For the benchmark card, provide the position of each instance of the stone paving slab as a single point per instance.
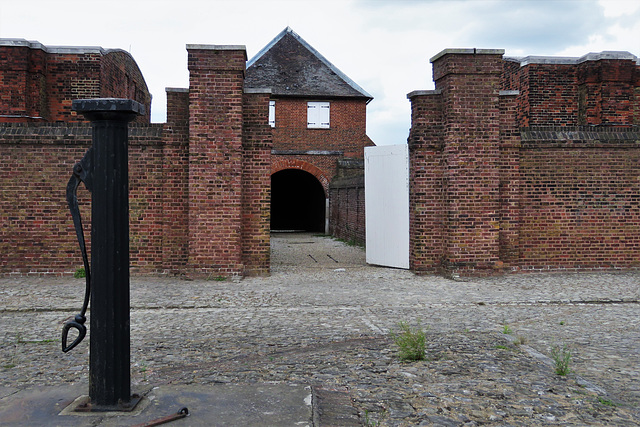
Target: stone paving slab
(324, 321)
(222, 405)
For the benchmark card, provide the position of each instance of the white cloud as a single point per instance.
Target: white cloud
(383, 45)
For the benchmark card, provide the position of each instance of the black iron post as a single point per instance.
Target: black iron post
(109, 357)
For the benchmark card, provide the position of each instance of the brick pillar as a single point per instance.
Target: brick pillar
(176, 182)
(256, 183)
(426, 202)
(470, 82)
(215, 158)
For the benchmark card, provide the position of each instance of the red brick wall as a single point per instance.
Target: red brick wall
(347, 210)
(580, 206)
(120, 77)
(509, 185)
(346, 137)
(146, 198)
(69, 77)
(22, 75)
(36, 230)
(489, 194)
(199, 185)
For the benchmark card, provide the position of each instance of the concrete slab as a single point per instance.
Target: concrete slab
(209, 405)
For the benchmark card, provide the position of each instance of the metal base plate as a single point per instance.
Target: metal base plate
(83, 405)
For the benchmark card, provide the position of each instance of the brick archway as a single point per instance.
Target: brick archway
(281, 164)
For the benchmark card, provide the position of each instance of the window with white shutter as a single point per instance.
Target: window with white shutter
(272, 114)
(318, 114)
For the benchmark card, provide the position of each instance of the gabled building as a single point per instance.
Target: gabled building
(240, 146)
(318, 117)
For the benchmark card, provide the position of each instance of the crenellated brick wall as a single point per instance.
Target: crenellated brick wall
(516, 164)
(504, 178)
(199, 185)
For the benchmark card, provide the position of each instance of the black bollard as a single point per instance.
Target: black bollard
(109, 356)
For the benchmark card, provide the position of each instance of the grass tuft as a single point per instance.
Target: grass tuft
(411, 342)
(562, 358)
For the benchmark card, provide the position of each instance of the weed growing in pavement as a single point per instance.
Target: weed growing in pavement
(21, 340)
(506, 329)
(606, 402)
(369, 422)
(80, 273)
(561, 358)
(350, 242)
(412, 342)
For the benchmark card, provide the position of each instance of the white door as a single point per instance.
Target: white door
(386, 186)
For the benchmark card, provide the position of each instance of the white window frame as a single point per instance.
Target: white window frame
(318, 115)
(272, 114)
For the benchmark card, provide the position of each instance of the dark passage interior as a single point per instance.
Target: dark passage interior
(297, 202)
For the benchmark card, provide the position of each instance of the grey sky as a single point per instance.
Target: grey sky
(383, 45)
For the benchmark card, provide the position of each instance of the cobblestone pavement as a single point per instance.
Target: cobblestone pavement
(323, 318)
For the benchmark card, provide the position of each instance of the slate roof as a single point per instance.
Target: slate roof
(289, 66)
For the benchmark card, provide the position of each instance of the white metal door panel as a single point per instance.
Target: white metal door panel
(386, 184)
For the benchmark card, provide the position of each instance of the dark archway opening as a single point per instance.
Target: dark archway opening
(297, 202)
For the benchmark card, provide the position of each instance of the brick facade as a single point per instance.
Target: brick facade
(525, 164)
(298, 75)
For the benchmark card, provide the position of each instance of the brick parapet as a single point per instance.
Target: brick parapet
(39, 82)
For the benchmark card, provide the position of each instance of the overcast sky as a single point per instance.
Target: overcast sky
(383, 45)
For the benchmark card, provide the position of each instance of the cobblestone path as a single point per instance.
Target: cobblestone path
(323, 318)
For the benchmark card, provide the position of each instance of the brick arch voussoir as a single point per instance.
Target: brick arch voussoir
(320, 175)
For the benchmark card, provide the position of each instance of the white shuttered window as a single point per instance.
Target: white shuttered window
(318, 114)
(272, 114)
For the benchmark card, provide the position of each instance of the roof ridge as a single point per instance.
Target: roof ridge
(325, 61)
